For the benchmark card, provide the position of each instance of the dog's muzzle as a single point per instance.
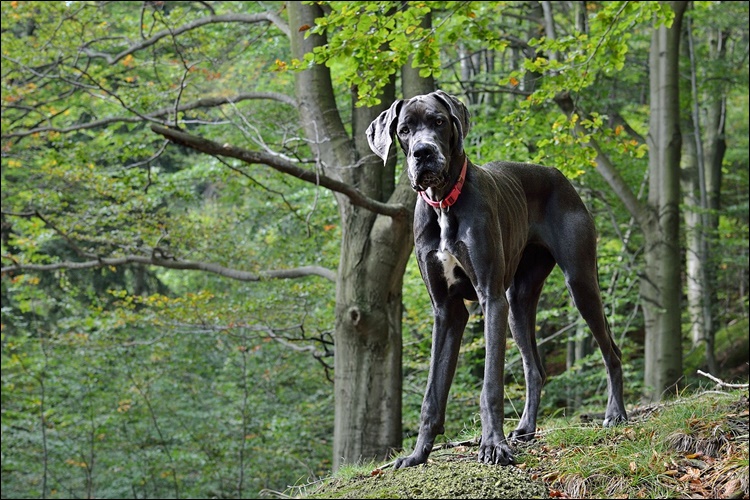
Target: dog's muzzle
(427, 167)
(429, 179)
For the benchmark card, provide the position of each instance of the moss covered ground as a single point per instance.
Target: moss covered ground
(695, 446)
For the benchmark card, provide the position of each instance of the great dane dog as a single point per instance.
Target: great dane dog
(491, 234)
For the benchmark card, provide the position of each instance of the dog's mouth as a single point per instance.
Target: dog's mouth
(429, 179)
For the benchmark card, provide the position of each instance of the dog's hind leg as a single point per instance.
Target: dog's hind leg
(523, 296)
(586, 296)
(578, 263)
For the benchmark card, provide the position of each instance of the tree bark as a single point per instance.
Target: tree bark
(714, 148)
(374, 252)
(702, 157)
(694, 239)
(660, 284)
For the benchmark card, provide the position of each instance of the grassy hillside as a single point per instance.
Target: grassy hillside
(693, 447)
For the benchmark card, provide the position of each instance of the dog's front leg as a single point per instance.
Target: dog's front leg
(450, 321)
(494, 448)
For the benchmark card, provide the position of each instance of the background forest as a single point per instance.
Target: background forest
(193, 224)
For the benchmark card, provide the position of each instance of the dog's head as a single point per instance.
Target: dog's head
(430, 129)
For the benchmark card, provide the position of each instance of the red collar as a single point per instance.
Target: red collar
(453, 195)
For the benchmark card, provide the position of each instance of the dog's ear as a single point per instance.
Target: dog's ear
(459, 115)
(381, 130)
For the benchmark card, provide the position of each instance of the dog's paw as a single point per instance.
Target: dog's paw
(497, 453)
(612, 421)
(521, 436)
(417, 457)
(410, 461)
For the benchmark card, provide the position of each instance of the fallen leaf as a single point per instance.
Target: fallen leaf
(692, 474)
(731, 487)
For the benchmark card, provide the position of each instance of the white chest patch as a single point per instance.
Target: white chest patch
(446, 258)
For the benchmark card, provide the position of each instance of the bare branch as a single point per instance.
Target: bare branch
(720, 382)
(284, 166)
(206, 102)
(224, 18)
(158, 257)
(155, 260)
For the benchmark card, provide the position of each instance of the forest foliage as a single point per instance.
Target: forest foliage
(147, 348)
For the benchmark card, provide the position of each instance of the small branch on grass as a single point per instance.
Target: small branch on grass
(456, 444)
(721, 383)
(443, 446)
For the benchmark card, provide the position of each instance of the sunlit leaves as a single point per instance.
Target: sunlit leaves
(369, 41)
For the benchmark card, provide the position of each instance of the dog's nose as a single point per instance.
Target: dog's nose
(423, 151)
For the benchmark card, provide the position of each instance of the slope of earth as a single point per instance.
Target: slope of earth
(692, 447)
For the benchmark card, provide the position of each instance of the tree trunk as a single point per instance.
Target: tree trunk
(694, 239)
(714, 147)
(660, 285)
(699, 165)
(374, 253)
(367, 381)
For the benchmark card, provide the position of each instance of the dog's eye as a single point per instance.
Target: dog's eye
(439, 122)
(404, 130)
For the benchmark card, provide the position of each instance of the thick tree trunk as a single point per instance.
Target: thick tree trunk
(367, 379)
(367, 365)
(374, 253)
(660, 285)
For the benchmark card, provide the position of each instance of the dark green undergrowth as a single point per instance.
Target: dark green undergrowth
(695, 446)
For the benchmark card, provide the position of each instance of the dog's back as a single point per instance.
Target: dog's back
(546, 189)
